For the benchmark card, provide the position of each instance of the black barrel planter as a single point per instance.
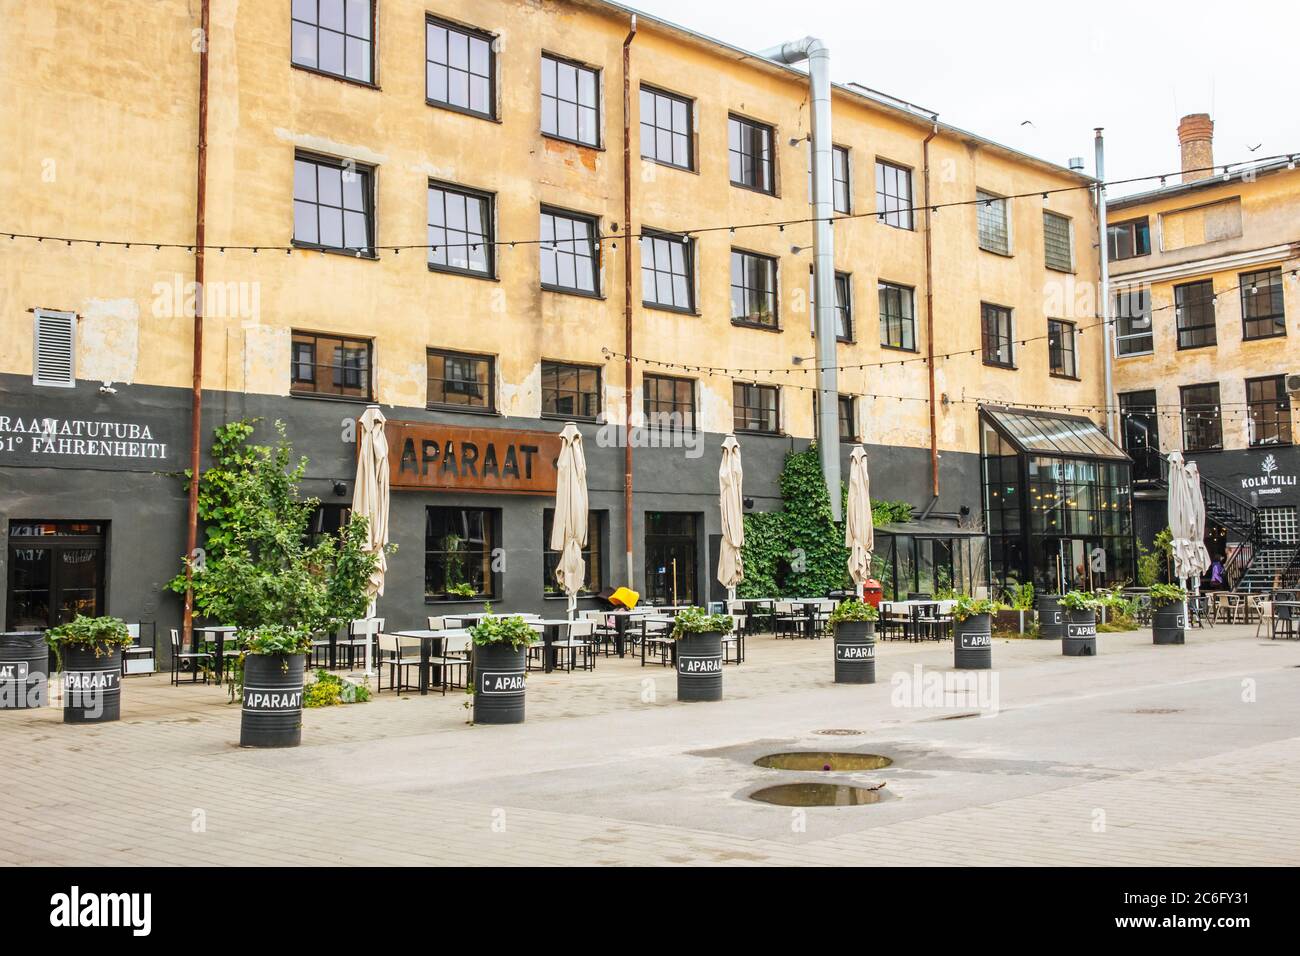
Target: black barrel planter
(972, 643)
(272, 700)
(1168, 624)
(855, 652)
(1051, 617)
(499, 683)
(92, 683)
(1080, 634)
(699, 666)
(24, 660)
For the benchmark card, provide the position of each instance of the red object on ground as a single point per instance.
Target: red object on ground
(872, 592)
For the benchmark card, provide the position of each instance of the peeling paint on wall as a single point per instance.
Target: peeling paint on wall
(108, 340)
(266, 360)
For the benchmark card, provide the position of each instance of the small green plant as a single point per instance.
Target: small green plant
(853, 610)
(100, 634)
(495, 629)
(330, 690)
(968, 607)
(1162, 595)
(696, 620)
(1079, 601)
(1148, 566)
(275, 639)
(1022, 597)
(462, 590)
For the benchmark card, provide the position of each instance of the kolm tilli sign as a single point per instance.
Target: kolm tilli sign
(426, 456)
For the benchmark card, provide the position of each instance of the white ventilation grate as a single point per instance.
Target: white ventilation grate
(55, 349)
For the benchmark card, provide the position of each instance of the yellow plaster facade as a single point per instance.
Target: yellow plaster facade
(100, 124)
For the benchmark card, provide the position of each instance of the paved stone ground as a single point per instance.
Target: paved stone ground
(1142, 755)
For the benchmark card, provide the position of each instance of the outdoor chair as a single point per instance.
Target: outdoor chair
(1264, 609)
(734, 642)
(1144, 608)
(360, 633)
(657, 638)
(320, 647)
(197, 660)
(788, 621)
(1284, 621)
(602, 630)
(398, 654)
(437, 623)
(454, 658)
(580, 637)
(140, 658)
(1252, 604)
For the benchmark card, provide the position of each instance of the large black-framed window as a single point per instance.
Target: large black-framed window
(843, 305)
(333, 205)
(842, 179)
(668, 403)
(330, 366)
(996, 328)
(1140, 425)
(334, 37)
(667, 128)
(1062, 359)
(459, 68)
(592, 554)
(570, 260)
(1058, 242)
(894, 195)
(1133, 322)
(570, 101)
(667, 271)
(1128, 240)
(753, 289)
(460, 554)
(460, 230)
(846, 411)
(897, 316)
(1269, 409)
(1194, 305)
(757, 408)
(749, 145)
(994, 227)
(460, 381)
(570, 391)
(1202, 417)
(1263, 315)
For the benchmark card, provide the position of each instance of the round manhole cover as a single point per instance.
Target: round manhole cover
(839, 732)
(823, 760)
(816, 795)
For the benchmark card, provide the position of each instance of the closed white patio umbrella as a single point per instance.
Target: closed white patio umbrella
(1182, 526)
(731, 481)
(859, 528)
(1200, 559)
(569, 532)
(370, 501)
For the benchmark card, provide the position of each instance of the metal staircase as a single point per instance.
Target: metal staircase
(1259, 562)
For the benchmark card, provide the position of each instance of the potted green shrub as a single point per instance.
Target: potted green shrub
(1080, 638)
(88, 651)
(264, 573)
(500, 649)
(1169, 614)
(1011, 615)
(854, 624)
(972, 633)
(699, 653)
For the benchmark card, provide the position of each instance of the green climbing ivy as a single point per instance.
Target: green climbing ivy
(799, 550)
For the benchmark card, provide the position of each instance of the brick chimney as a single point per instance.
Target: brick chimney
(1196, 137)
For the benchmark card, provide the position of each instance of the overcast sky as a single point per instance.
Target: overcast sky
(1131, 66)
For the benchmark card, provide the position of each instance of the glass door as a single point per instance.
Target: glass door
(671, 547)
(56, 571)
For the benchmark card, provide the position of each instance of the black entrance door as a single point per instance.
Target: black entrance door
(56, 571)
(671, 547)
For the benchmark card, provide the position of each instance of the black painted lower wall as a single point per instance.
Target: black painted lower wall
(136, 489)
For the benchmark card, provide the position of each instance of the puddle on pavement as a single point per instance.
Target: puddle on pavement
(816, 795)
(823, 760)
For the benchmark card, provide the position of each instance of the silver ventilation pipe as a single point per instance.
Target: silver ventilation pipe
(819, 79)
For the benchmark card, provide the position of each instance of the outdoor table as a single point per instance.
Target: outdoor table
(427, 639)
(811, 610)
(1293, 608)
(622, 618)
(474, 618)
(219, 632)
(657, 619)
